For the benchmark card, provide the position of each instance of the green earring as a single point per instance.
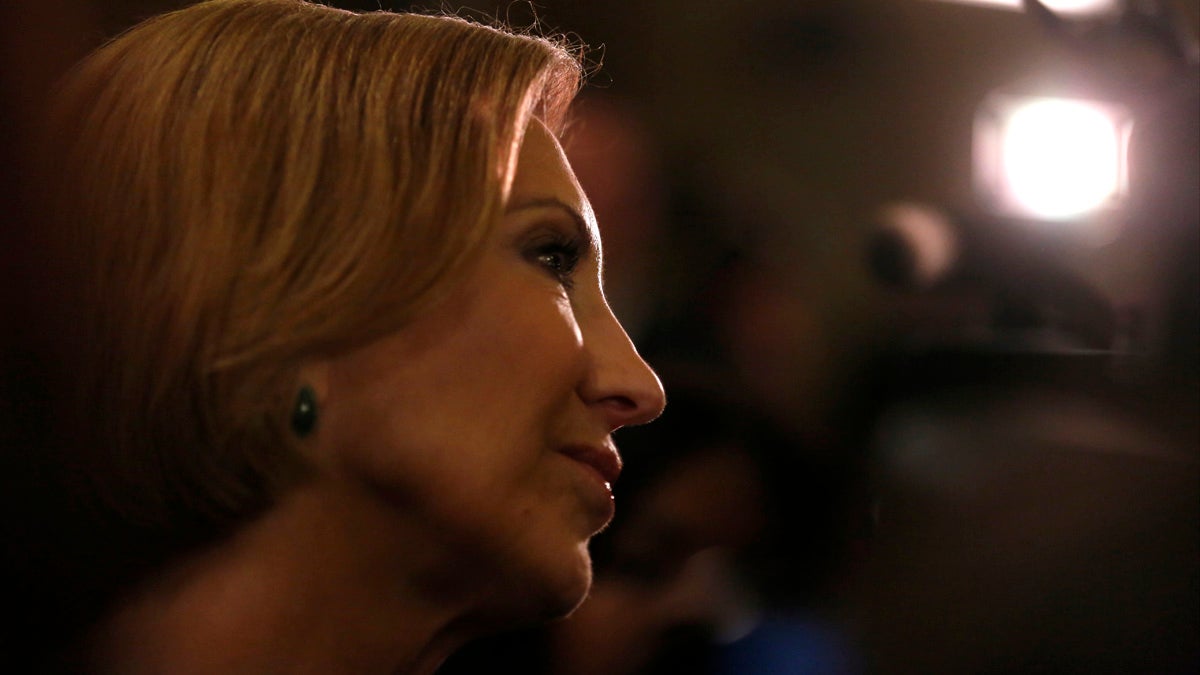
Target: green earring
(304, 415)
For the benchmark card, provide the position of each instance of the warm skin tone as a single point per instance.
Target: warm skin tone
(451, 495)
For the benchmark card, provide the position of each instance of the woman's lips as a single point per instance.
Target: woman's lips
(603, 459)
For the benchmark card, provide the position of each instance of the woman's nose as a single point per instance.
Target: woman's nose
(619, 382)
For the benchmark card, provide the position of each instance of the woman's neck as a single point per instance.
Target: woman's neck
(323, 582)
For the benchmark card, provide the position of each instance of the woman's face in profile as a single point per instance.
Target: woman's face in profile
(483, 427)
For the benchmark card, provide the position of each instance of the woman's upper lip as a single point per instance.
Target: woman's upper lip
(603, 458)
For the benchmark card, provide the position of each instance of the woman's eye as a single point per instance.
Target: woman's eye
(560, 259)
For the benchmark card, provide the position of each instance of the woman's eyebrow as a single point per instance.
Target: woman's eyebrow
(585, 232)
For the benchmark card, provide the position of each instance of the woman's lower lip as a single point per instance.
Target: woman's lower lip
(600, 491)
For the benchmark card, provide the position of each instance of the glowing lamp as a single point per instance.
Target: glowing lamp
(1051, 159)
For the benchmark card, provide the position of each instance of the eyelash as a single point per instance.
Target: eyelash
(559, 255)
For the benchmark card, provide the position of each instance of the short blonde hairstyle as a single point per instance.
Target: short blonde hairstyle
(251, 183)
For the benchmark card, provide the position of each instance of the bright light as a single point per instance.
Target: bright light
(1061, 158)
(1051, 159)
(1064, 7)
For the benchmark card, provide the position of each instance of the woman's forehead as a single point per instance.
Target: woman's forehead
(543, 172)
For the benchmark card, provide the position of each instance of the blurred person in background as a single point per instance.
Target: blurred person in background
(335, 379)
(616, 158)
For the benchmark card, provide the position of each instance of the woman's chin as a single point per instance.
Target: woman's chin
(552, 589)
(567, 587)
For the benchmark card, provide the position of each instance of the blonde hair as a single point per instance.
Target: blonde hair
(251, 183)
